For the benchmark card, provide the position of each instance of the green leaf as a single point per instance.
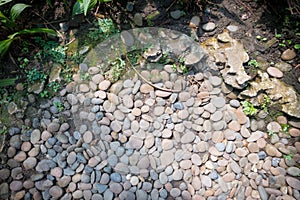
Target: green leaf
(16, 10)
(77, 8)
(4, 46)
(297, 46)
(86, 5)
(2, 2)
(38, 30)
(7, 82)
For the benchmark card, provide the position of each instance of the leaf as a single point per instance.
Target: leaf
(37, 30)
(2, 2)
(4, 46)
(297, 46)
(16, 10)
(77, 9)
(86, 5)
(105, 1)
(7, 82)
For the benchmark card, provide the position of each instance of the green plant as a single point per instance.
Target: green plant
(3, 130)
(297, 46)
(285, 128)
(289, 156)
(253, 63)
(82, 6)
(44, 94)
(54, 86)
(51, 50)
(117, 69)
(11, 25)
(106, 28)
(59, 105)
(271, 133)
(266, 103)
(34, 75)
(248, 108)
(7, 82)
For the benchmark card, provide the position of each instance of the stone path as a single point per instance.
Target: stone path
(128, 140)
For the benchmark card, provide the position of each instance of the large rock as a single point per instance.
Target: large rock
(230, 52)
(277, 90)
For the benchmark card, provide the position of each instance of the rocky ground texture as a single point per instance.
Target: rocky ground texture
(133, 140)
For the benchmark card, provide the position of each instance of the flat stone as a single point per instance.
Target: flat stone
(30, 163)
(166, 158)
(232, 28)
(188, 137)
(293, 171)
(255, 136)
(288, 54)
(253, 158)
(293, 182)
(146, 88)
(194, 22)
(135, 142)
(138, 19)
(274, 72)
(56, 192)
(271, 150)
(283, 66)
(175, 14)
(218, 102)
(210, 26)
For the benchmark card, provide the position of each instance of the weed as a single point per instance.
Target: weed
(248, 108)
(34, 75)
(59, 105)
(105, 28)
(285, 128)
(3, 130)
(117, 69)
(253, 63)
(51, 50)
(23, 62)
(289, 156)
(271, 133)
(181, 66)
(85, 76)
(297, 46)
(266, 103)
(54, 86)
(44, 94)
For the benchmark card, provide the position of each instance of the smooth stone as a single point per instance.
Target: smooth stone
(175, 14)
(210, 26)
(293, 171)
(288, 54)
(283, 66)
(166, 158)
(194, 22)
(138, 19)
(293, 182)
(232, 28)
(274, 72)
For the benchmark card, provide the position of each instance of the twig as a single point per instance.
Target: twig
(12, 59)
(73, 39)
(148, 82)
(245, 5)
(170, 6)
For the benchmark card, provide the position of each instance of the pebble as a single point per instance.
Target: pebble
(274, 72)
(128, 140)
(194, 22)
(232, 28)
(210, 26)
(288, 54)
(175, 14)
